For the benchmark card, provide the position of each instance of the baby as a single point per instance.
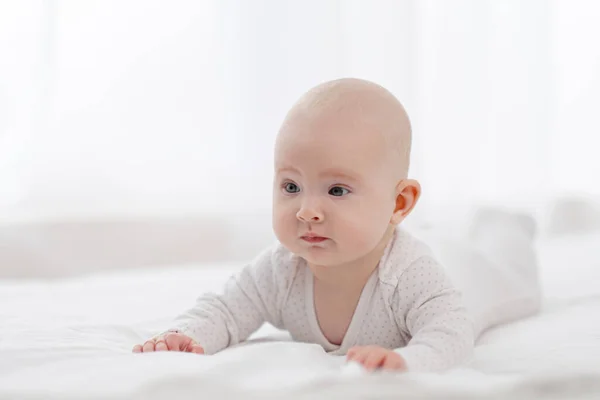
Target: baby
(343, 274)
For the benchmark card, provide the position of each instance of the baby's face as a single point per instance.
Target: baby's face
(333, 192)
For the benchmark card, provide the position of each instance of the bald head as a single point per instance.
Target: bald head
(361, 104)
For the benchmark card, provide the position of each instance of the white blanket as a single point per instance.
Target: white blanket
(72, 339)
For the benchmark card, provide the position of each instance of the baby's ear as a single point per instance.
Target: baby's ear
(408, 192)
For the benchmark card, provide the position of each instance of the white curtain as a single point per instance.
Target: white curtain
(121, 107)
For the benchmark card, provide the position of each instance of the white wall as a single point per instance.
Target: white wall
(152, 108)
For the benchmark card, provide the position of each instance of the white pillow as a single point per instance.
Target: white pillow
(572, 215)
(490, 256)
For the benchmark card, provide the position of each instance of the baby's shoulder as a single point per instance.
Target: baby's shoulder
(403, 255)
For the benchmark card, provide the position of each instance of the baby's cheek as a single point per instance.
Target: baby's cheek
(283, 224)
(360, 236)
(364, 233)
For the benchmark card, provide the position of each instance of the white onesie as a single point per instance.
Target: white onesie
(408, 304)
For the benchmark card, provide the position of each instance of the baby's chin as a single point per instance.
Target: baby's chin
(324, 256)
(314, 254)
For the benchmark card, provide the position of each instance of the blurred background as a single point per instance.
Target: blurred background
(141, 132)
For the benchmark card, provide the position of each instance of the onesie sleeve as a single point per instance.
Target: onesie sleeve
(250, 298)
(431, 311)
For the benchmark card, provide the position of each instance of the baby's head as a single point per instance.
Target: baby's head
(341, 163)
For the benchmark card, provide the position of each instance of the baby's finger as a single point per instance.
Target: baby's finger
(393, 362)
(197, 349)
(351, 353)
(359, 355)
(161, 346)
(188, 344)
(373, 359)
(148, 346)
(175, 342)
(137, 348)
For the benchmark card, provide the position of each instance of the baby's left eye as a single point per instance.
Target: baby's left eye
(338, 191)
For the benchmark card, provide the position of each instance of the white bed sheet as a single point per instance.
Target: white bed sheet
(72, 339)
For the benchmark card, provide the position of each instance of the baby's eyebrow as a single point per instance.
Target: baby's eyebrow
(328, 173)
(341, 174)
(287, 169)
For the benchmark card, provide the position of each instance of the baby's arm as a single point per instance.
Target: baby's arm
(248, 299)
(432, 311)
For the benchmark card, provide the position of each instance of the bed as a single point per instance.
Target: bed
(71, 338)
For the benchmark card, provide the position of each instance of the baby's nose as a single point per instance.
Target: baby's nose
(310, 213)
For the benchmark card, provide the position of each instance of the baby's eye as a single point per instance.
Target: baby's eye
(291, 187)
(338, 191)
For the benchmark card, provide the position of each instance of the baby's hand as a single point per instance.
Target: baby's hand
(171, 341)
(372, 357)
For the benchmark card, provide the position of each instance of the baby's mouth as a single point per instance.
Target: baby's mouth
(311, 238)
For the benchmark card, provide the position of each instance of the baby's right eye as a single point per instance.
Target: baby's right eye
(290, 187)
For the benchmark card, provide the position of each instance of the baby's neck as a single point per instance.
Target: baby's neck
(354, 274)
